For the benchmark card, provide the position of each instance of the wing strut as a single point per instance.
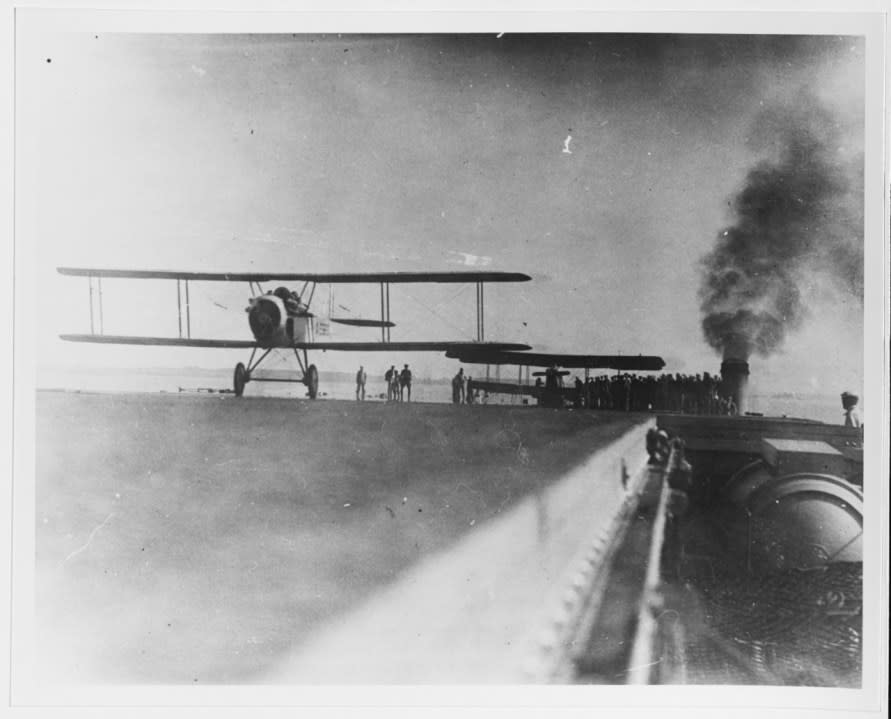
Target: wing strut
(312, 293)
(101, 319)
(480, 313)
(385, 311)
(90, 282)
(98, 302)
(179, 306)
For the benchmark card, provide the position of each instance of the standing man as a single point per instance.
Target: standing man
(360, 384)
(405, 382)
(458, 387)
(388, 377)
(551, 377)
(849, 404)
(394, 386)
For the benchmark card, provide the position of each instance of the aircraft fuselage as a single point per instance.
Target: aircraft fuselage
(279, 319)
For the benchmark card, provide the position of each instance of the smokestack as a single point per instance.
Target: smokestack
(735, 377)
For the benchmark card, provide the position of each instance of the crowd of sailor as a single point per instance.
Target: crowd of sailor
(692, 394)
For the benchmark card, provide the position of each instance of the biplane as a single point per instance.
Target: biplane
(282, 318)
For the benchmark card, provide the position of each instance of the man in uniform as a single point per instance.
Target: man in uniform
(849, 404)
(458, 387)
(394, 386)
(551, 377)
(388, 377)
(360, 383)
(405, 382)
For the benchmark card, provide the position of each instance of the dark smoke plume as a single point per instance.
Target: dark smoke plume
(799, 215)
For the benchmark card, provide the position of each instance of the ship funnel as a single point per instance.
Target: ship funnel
(735, 377)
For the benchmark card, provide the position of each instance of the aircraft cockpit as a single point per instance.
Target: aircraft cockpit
(290, 298)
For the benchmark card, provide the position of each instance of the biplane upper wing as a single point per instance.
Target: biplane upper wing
(484, 355)
(445, 346)
(331, 278)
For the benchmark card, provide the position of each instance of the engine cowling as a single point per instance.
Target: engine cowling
(265, 316)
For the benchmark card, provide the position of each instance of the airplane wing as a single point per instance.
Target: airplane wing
(167, 341)
(478, 355)
(362, 323)
(333, 346)
(406, 346)
(341, 277)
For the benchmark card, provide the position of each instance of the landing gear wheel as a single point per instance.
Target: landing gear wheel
(240, 379)
(311, 380)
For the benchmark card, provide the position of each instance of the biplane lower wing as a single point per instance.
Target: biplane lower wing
(405, 346)
(483, 355)
(165, 341)
(333, 346)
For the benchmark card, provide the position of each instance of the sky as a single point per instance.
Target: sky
(604, 166)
